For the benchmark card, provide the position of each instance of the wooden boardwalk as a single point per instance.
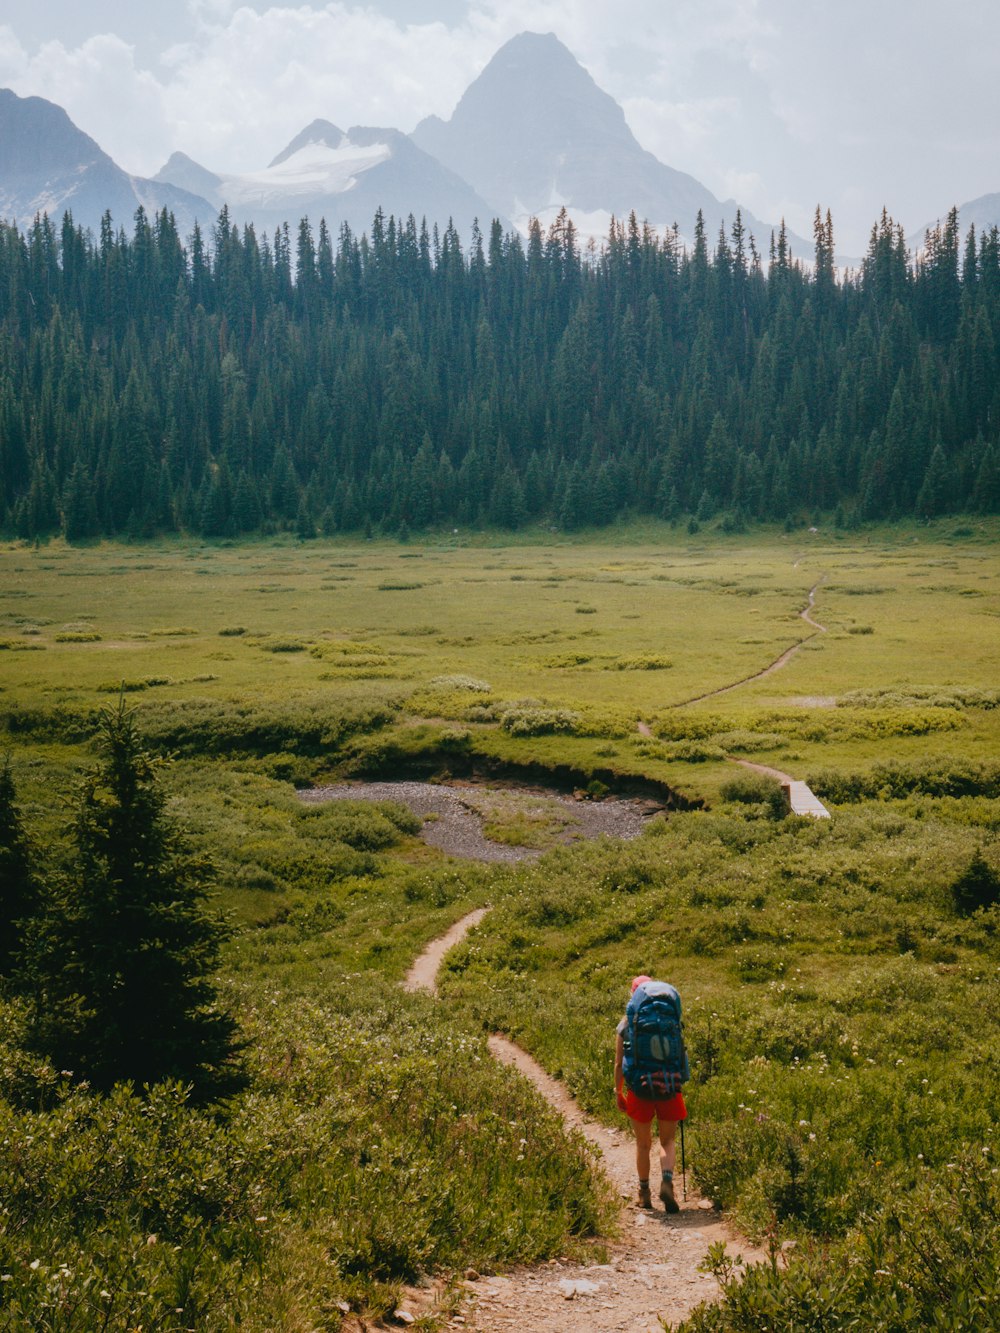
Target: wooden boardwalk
(803, 801)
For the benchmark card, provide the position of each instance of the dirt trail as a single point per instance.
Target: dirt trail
(652, 1269)
(779, 662)
(424, 972)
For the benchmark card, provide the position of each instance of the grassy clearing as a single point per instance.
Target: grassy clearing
(825, 969)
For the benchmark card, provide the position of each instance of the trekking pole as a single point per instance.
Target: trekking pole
(684, 1184)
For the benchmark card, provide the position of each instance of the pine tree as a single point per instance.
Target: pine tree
(20, 891)
(934, 492)
(123, 990)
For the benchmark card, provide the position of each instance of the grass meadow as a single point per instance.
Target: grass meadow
(842, 1005)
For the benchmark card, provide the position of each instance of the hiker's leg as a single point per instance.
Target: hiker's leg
(643, 1143)
(668, 1144)
(668, 1152)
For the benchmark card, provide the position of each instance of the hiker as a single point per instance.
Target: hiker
(650, 1066)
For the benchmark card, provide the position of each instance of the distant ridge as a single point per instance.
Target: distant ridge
(48, 165)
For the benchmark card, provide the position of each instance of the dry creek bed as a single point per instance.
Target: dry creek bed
(453, 814)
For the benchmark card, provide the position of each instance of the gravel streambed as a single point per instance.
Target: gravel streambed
(453, 823)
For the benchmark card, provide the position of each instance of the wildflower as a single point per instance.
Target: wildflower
(812, 1138)
(803, 1122)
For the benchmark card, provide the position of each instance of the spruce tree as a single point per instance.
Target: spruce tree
(123, 988)
(19, 886)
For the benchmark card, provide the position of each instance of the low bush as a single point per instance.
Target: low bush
(942, 776)
(911, 696)
(744, 741)
(468, 683)
(303, 726)
(297, 1198)
(977, 887)
(363, 825)
(533, 719)
(756, 789)
(694, 752)
(916, 1263)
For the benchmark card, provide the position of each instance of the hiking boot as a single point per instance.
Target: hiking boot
(645, 1198)
(667, 1196)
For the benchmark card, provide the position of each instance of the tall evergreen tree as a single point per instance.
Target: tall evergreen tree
(123, 983)
(20, 889)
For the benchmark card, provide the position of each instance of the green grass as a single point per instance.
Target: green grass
(825, 971)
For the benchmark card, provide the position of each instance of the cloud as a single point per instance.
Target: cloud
(13, 56)
(794, 103)
(103, 90)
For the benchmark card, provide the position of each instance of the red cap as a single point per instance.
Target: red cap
(639, 981)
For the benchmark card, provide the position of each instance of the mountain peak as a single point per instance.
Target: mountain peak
(38, 136)
(318, 132)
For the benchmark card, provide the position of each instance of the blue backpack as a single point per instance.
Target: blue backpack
(655, 1062)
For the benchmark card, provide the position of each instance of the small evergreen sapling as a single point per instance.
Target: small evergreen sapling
(123, 989)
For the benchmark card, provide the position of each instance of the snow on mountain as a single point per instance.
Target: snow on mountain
(341, 177)
(313, 170)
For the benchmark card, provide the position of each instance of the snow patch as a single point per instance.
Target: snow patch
(315, 169)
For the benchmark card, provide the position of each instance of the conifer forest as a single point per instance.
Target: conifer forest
(230, 383)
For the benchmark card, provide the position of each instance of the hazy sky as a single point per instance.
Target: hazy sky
(781, 103)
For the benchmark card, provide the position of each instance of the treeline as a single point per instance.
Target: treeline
(394, 381)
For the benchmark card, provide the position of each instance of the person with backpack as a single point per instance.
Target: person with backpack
(651, 1064)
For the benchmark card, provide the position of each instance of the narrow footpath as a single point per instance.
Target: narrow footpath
(652, 1269)
(801, 799)
(779, 662)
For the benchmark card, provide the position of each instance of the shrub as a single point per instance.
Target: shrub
(694, 752)
(278, 645)
(363, 825)
(978, 886)
(917, 1263)
(469, 683)
(532, 719)
(641, 662)
(756, 789)
(310, 726)
(743, 741)
(895, 779)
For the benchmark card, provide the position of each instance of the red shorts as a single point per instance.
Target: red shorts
(642, 1109)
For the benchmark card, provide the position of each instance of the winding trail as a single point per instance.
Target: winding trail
(801, 799)
(651, 1271)
(779, 662)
